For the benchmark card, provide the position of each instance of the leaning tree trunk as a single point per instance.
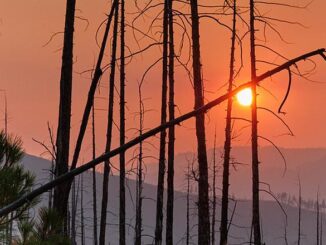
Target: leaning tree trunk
(61, 192)
(254, 133)
(161, 171)
(227, 143)
(170, 177)
(122, 210)
(109, 130)
(203, 203)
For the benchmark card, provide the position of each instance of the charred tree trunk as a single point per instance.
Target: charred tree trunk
(139, 189)
(122, 212)
(171, 132)
(73, 213)
(82, 223)
(254, 133)
(107, 167)
(61, 192)
(161, 171)
(227, 143)
(188, 208)
(203, 203)
(92, 89)
(317, 225)
(94, 179)
(214, 191)
(299, 215)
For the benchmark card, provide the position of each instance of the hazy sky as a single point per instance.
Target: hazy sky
(30, 73)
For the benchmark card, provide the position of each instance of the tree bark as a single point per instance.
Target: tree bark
(203, 204)
(139, 198)
(107, 167)
(171, 132)
(161, 171)
(254, 133)
(61, 192)
(94, 179)
(227, 143)
(122, 213)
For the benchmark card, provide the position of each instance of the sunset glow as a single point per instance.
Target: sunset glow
(244, 97)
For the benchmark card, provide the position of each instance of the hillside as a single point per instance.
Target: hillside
(272, 217)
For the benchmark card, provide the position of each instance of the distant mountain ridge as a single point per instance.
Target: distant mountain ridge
(309, 162)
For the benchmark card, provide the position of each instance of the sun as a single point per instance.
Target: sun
(244, 97)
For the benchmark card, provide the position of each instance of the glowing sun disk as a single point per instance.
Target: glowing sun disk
(244, 97)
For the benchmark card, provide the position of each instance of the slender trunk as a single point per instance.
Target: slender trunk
(82, 223)
(94, 179)
(109, 130)
(227, 143)
(73, 213)
(122, 213)
(321, 229)
(61, 195)
(254, 133)
(161, 171)
(317, 230)
(299, 218)
(61, 192)
(171, 132)
(92, 89)
(214, 191)
(188, 209)
(139, 174)
(203, 203)
(50, 201)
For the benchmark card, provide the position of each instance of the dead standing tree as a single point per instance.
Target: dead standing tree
(171, 133)
(203, 200)
(161, 172)
(227, 143)
(122, 157)
(107, 167)
(254, 133)
(61, 192)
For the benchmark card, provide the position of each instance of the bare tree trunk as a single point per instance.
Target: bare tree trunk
(170, 177)
(227, 143)
(188, 208)
(254, 136)
(139, 190)
(92, 89)
(161, 171)
(122, 213)
(73, 213)
(109, 130)
(321, 229)
(50, 201)
(82, 223)
(94, 179)
(61, 192)
(299, 218)
(317, 226)
(214, 191)
(203, 203)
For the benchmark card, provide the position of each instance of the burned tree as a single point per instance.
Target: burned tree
(203, 203)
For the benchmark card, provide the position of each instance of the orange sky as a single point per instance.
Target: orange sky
(30, 75)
